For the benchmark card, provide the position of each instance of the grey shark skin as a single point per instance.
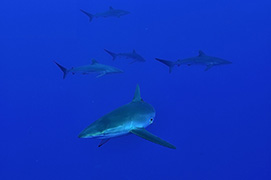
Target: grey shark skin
(94, 67)
(111, 12)
(201, 59)
(133, 118)
(132, 55)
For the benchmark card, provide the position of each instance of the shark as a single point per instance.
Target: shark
(111, 12)
(131, 55)
(95, 67)
(131, 118)
(201, 59)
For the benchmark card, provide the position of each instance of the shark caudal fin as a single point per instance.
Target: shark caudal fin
(88, 14)
(170, 64)
(143, 133)
(63, 69)
(114, 55)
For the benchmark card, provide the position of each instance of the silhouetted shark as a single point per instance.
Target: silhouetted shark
(132, 55)
(133, 117)
(109, 13)
(93, 67)
(201, 59)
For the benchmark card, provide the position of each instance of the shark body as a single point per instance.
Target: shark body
(111, 12)
(131, 55)
(133, 118)
(201, 59)
(94, 67)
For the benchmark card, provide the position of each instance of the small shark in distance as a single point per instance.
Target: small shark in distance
(96, 67)
(109, 13)
(133, 118)
(201, 59)
(132, 55)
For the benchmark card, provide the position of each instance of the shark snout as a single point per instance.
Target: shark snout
(126, 12)
(228, 62)
(82, 135)
(118, 71)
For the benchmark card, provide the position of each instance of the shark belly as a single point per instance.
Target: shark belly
(113, 132)
(88, 69)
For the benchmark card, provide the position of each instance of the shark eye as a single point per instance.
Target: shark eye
(151, 120)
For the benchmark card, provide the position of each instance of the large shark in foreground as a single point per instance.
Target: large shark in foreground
(111, 12)
(131, 55)
(201, 59)
(95, 67)
(133, 118)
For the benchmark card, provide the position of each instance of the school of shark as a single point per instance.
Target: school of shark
(134, 117)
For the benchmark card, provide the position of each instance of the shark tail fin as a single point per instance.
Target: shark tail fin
(170, 64)
(63, 69)
(114, 55)
(88, 14)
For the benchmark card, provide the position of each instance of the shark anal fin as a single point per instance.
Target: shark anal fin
(103, 141)
(141, 132)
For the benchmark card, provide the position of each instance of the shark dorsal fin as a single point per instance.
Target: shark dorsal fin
(111, 8)
(137, 96)
(201, 53)
(134, 51)
(93, 61)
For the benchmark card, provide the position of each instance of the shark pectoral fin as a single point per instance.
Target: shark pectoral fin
(141, 132)
(208, 67)
(132, 62)
(100, 75)
(103, 141)
(170, 69)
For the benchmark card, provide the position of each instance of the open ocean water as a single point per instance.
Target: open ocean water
(219, 119)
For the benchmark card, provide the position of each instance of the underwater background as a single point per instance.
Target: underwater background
(219, 120)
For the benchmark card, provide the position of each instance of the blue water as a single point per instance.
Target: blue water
(219, 120)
